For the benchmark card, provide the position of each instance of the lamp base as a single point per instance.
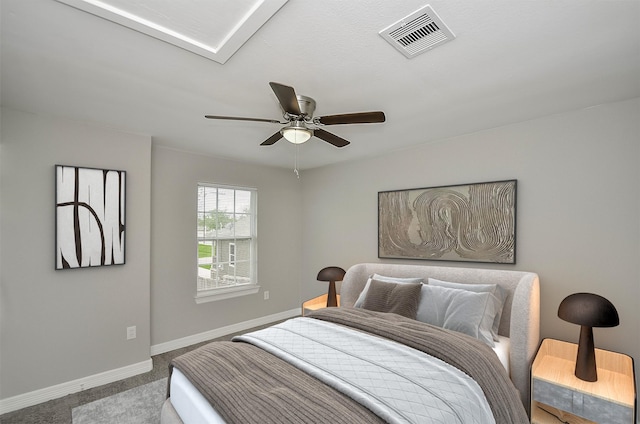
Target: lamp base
(332, 298)
(586, 359)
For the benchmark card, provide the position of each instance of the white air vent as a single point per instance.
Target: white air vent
(418, 32)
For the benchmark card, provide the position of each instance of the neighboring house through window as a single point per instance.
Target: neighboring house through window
(227, 242)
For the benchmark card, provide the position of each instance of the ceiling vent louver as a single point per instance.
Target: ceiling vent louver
(418, 32)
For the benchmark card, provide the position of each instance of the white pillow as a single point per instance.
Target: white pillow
(459, 310)
(382, 278)
(499, 293)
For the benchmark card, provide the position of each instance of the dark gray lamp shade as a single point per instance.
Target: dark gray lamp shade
(588, 310)
(331, 274)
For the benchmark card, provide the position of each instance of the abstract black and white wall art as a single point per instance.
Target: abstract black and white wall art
(90, 217)
(468, 223)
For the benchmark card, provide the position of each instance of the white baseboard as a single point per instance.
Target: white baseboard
(48, 393)
(223, 331)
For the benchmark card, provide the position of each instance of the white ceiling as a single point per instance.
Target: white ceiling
(511, 60)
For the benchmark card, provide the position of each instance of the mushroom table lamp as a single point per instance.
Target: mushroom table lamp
(587, 310)
(331, 274)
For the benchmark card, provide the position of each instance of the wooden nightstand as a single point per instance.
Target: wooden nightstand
(555, 390)
(316, 303)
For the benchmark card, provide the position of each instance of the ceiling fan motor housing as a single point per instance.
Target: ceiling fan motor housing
(307, 106)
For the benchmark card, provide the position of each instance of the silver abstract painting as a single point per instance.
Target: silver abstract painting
(90, 217)
(469, 223)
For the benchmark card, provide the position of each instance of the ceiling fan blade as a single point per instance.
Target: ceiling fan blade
(271, 140)
(330, 138)
(287, 97)
(239, 118)
(352, 118)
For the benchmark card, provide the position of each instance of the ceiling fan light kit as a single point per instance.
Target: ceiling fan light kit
(300, 123)
(296, 133)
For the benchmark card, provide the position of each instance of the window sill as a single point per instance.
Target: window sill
(213, 295)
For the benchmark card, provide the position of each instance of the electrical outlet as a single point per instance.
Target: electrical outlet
(131, 332)
(266, 295)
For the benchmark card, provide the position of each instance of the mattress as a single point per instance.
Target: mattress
(502, 348)
(194, 408)
(189, 403)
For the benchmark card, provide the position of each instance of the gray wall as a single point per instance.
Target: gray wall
(578, 228)
(58, 326)
(175, 176)
(578, 207)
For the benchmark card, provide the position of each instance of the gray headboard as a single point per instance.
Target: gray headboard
(520, 318)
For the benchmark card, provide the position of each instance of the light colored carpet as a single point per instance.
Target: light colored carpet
(140, 405)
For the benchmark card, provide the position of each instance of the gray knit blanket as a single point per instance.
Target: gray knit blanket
(246, 384)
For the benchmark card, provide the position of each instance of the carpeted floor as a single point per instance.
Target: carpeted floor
(58, 411)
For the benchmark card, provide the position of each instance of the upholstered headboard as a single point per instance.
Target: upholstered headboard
(521, 314)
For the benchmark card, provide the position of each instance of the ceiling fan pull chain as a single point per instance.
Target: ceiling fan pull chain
(295, 163)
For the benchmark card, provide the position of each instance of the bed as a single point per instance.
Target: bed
(380, 357)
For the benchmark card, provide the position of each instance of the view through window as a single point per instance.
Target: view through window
(226, 237)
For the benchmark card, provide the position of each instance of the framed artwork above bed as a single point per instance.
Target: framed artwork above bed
(465, 223)
(90, 217)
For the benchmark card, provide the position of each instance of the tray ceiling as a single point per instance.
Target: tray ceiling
(213, 29)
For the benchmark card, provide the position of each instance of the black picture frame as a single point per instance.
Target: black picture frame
(462, 223)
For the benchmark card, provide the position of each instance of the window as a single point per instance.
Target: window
(227, 242)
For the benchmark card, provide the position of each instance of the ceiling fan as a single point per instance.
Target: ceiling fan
(300, 124)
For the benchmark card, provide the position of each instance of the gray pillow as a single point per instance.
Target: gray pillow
(363, 293)
(459, 310)
(401, 299)
(495, 289)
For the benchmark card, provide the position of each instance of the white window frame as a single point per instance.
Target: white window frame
(227, 292)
